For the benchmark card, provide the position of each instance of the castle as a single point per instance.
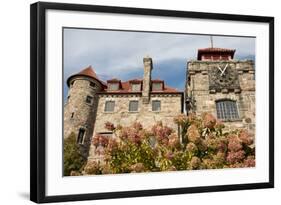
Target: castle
(91, 103)
(215, 83)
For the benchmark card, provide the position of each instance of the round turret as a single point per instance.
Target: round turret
(81, 106)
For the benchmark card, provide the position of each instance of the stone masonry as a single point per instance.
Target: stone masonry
(202, 97)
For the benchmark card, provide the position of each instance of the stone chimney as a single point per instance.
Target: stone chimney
(148, 66)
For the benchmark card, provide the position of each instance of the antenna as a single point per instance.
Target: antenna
(211, 38)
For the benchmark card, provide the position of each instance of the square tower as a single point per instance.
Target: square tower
(218, 84)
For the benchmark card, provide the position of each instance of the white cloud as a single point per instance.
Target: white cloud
(111, 52)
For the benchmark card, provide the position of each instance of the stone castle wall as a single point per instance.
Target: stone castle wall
(78, 113)
(171, 106)
(198, 89)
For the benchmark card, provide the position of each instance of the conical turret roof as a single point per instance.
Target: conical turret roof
(88, 72)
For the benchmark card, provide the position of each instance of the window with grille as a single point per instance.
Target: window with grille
(156, 105)
(136, 87)
(134, 106)
(89, 99)
(156, 86)
(109, 106)
(113, 86)
(80, 137)
(227, 110)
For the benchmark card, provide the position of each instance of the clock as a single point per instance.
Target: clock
(223, 76)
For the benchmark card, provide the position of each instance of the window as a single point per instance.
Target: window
(156, 86)
(89, 99)
(136, 87)
(92, 84)
(109, 106)
(72, 114)
(227, 110)
(72, 83)
(134, 106)
(106, 134)
(156, 105)
(80, 137)
(113, 86)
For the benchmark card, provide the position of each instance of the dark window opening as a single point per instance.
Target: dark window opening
(72, 83)
(89, 99)
(72, 115)
(92, 84)
(80, 137)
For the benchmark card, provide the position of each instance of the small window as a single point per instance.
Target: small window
(93, 85)
(134, 106)
(109, 106)
(89, 99)
(106, 134)
(72, 114)
(156, 105)
(113, 86)
(136, 87)
(80, 137)
(227, 110)
(156, 86)
(72, 83)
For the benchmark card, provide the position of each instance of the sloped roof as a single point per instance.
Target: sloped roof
(88, 72)
(126, 87)
(216, 51)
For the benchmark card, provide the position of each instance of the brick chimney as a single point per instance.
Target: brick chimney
(148, 66)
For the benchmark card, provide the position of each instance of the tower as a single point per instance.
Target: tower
(81, 106)
(219, 84)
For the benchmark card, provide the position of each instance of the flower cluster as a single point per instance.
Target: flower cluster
(100, 140)
(209, 121)
(161, 133)
(109, 126)
(202, 144)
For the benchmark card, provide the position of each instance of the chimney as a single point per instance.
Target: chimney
(148, 66)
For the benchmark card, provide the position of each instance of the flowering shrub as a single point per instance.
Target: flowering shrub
(202, 144)
(73, 161)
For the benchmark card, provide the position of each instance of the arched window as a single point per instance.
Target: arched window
(227, 110)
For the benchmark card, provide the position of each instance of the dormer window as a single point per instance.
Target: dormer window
(157, 86)
(113, 86)
(136, 87)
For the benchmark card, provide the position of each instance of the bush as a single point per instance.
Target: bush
(73, 161)
(205, 145)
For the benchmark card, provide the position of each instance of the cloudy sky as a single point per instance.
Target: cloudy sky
(119, 54)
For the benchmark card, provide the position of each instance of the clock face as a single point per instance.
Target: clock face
(223, 76)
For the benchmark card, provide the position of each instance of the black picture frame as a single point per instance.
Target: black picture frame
(38, 100)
